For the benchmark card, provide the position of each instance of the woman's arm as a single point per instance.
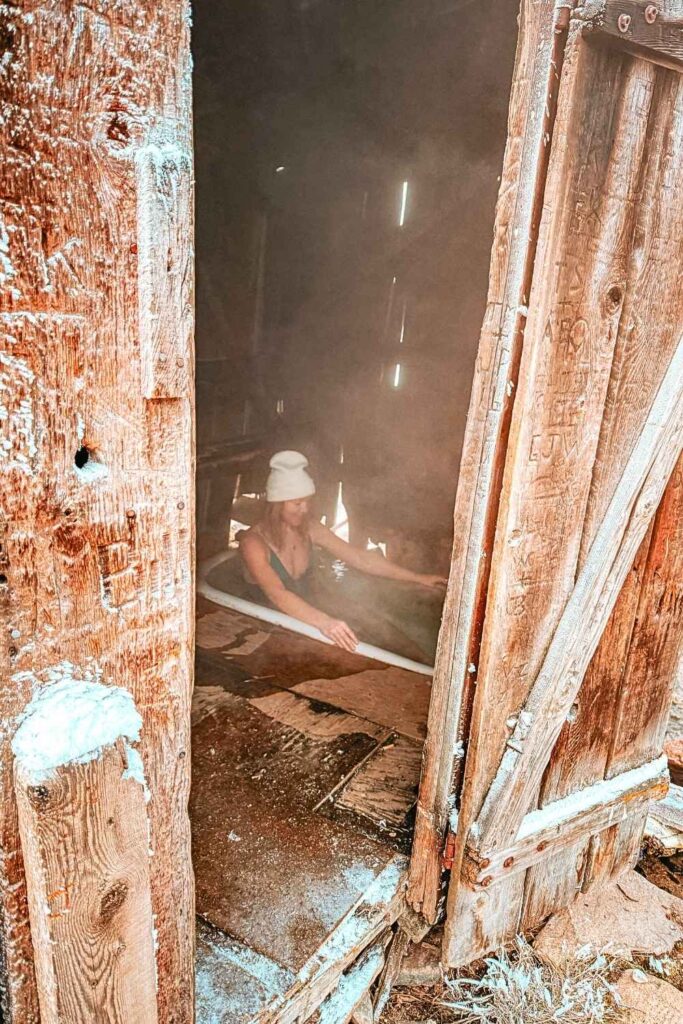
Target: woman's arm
(256, 557)
(372, 562)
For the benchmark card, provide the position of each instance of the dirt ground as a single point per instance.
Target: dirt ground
(425, 1004)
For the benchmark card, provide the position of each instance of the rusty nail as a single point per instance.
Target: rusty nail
(130, 512)
(484, 863)
(541, 847)
(651, 13)
(179, 361)
(623, 22)
(487, 881)
(181, 504)
(508, 862)
(134, 248)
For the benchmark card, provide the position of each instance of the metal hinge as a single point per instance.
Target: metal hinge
(448, 854)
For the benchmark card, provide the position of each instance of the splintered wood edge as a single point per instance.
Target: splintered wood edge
(377, 909)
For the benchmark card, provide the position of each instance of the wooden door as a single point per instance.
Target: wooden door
(96, 428)
(563, 619)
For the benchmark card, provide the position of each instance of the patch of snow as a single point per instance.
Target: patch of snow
(19, 446)
(91, 471)
(70, 720)
(352, 987)
(601, 793)
(232, 982)
(7, 270)
(135, 770)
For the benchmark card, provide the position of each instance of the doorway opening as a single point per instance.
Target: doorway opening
(348, 157)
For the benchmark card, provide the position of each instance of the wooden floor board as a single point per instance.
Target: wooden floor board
(283, 728)
(384, 787)
(390, 696)
(233, 983)
(268, 871)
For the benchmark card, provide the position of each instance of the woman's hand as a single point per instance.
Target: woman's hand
(339, 633)
(427, 580)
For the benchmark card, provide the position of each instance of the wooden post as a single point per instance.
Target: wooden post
(96, 447)
(85, 842)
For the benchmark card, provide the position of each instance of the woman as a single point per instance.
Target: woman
(278, 552)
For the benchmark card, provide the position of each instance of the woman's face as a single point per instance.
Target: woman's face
(295, 513)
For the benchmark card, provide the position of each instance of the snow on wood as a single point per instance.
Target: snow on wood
(97, 551)
(85, 845)
(70, 720)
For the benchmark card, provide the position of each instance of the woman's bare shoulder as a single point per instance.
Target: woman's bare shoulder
(252, 540)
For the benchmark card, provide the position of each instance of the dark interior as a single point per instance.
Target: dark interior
(347, 160)
(324, 324)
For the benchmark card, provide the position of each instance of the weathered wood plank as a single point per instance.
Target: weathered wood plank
(649, 328)
(657, 642)
(579, 629)
(353, 986)
(98, 556)
(391, 971)
(363, 1013)
(574, 311)
(530, 129)
(85, 841)
(380, 906)
(256, 784)
(560, 824)
(384, 788)
(650, 31)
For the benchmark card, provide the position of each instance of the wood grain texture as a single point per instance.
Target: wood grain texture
(384, 788)
(530, 127)
(650, 326)
(392, 968)
(587, 611)
(604, 227)
(657, 641)
(564, 375)
(85, 841)
(98, 561)
(560, 824)
(659, 40)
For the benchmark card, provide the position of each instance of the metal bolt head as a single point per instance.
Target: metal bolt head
(623, 22)
(651, 13)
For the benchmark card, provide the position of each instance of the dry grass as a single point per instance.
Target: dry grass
(516, 987)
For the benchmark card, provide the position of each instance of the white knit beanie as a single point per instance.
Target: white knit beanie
(288, 479)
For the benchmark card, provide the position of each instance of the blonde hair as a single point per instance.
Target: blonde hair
(272, 526)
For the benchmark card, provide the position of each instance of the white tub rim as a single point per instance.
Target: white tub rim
(277, 618)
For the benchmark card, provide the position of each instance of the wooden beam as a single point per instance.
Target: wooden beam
(98, 558)
(339, 1007)
(85, 842)
(363, 1014)
(560, 824)
(538, 64)
(649, 29)
(380, 906)
(392, 967)
(581, 625)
